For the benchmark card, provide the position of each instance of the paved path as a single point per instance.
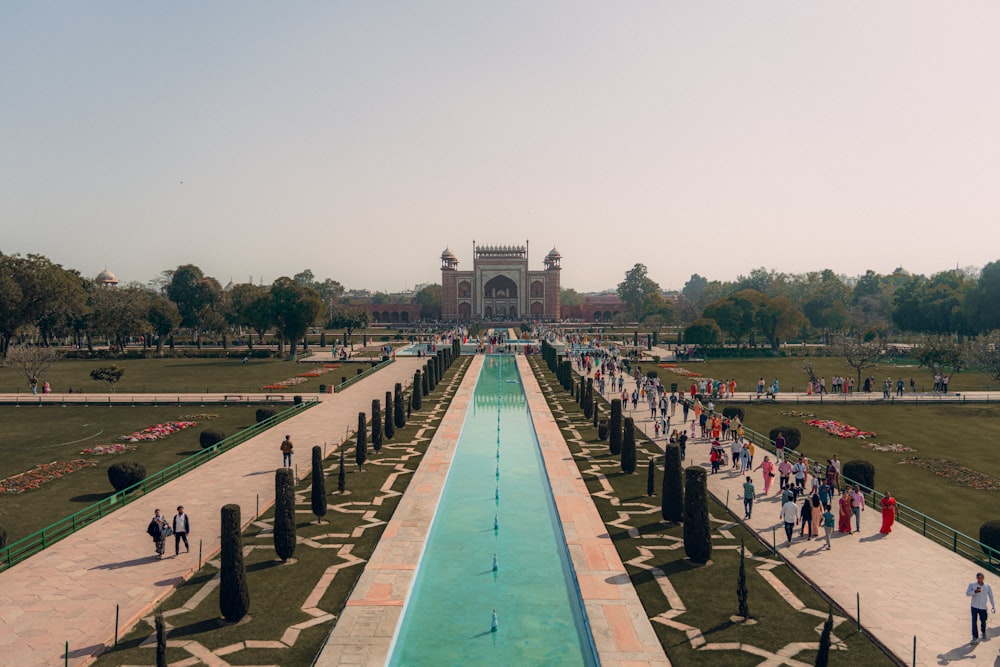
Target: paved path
(69, 591)
(908, 585)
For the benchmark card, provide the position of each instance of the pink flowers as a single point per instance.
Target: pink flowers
(834, 427)
(102, 450)
(156, 432)
(302, 377)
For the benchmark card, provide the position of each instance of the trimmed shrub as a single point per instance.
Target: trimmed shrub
(742, 604)
(296, 400)
(615, 426)
(602, 430)
(416, 394)
(318, 483)
(697, 531)
(989, 535)
(234, 596)
(263, 414)
(376, 425)
(672, 491)
(861, 471)
(588, 400)
(732, 411)
(792, 436)
(398, 409)
(651, 477)
(126, 473)
(389, 427)
(628, 447)
(361, 444)
(341, 475)
(209, 437)
(424, 383)
(596, 411)
(652, 374)
(284, 513)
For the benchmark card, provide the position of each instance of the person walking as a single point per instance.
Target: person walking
(844, 517)
(158, 530)
(182, 526)
(768, 470)
(748, 495)
(888, 513)
(806, 516)
(779, 446)
(789, 515)
(827, 520)
(784, 472)
(857, 506)
(980, 592)
(286, 451)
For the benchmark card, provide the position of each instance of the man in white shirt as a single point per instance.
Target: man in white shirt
(979, 592)
(790, 516)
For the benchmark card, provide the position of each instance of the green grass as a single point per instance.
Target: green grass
(961, 433)
(791, 378)
(37, 435)
(708, 593)
(184, 375)
(278, 591)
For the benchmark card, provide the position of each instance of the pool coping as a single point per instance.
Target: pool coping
(622, 633)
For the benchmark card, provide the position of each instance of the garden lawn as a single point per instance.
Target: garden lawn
(353, 525)
(791, 378)
(708, 594)
(964, 434)
(39, 435)
(183, 375)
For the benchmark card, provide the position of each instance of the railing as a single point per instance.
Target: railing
(46, 537)
(360, 376)
(927, 526)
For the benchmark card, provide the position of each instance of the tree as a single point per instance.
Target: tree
(376, 425)
(348, 318)
(295, 309)
(118, 314)
(30, 361)
(163, 317)
(569, 297)
(672, 493)
(615, 426)
(651, 476)
(253, 306)
(110, 374)
(941, 355)
(984, 353)
(234, 596)
(703, 332)
(399, 415)
(36, 292)
(318, 484)
(361, 443)
(628, 447)
(429, 299)
(284, 513)
(416, 393)
(341, 475)
(194, 293)
(778, 320)
(697, 531)
(390, 425)
(858, 354)
(743, 608)
(637, 290)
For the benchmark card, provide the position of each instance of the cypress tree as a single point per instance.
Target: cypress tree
(234, 596)
(424, 386)
(588, 400)
(390, 427)
(628, 447)
(672, 491)
(596, 409)
(341, 476)
(398, 409)
(318, 484)
(741, 586)
(409, 405)
(615, 427)
(697, 531)
(431, 375)
(361, 444)
(415, 395)
(651, 477)
(376, 425)
(284, 513)
(161, 640)
(823, 655)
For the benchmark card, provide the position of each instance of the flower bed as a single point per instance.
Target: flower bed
(795, 413)
(301, 377)
(677, 370)
(34, 478)
(200, 417)
(958, 474)
(104, 450)
(156, 431)
(840, 429)
(894, 447)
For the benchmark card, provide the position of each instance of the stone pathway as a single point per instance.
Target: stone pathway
(909, 586)
(68, 592)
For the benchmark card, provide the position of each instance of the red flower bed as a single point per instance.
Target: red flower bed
(156, 432)
(834, 427)
(34, 478)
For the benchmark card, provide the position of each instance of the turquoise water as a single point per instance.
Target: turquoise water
(447, 617)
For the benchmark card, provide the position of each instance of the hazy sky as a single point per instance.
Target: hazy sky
(359, 139)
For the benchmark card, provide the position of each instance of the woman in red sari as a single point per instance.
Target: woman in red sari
(888, 513)
(844, 522)
(768, 469)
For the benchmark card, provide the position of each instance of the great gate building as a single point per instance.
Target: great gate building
(500, 286)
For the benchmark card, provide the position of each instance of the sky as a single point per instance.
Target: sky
(359, 139)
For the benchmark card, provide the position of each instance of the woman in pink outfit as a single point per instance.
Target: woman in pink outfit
(768, 469)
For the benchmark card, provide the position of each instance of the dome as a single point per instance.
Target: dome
(105, 277)
(448, 254)
(553, 254)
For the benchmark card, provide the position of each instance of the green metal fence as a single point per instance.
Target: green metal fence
(46, 537)
(927, 526)
(360, 376)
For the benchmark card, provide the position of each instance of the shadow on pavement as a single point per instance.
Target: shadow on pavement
(126, 563)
